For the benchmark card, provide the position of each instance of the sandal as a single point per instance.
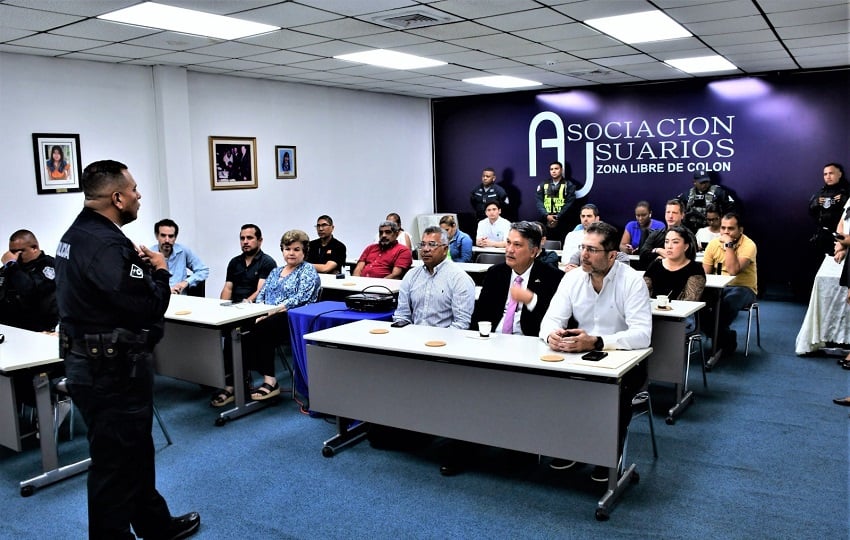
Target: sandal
(223, 398)
(265, 391)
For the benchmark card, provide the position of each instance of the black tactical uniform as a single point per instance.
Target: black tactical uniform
(480, 197)
(28, 294)
(111, 308)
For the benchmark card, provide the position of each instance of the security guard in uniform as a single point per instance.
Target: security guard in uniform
(554, 199)
(112, 297)
(702, 196)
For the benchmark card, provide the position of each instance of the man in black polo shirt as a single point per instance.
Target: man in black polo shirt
(326, 253)
(247, 272)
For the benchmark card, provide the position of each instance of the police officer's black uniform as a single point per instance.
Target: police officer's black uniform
(111, 308)
(28, 294)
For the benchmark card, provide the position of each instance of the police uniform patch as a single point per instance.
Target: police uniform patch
(49, 272)
(136, 272)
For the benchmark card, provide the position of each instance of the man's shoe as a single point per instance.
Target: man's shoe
(183, 526)
(561, 464)
(449, 469)
(599, 474)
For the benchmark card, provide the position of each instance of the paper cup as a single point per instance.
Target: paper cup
(663, 300)
(484, 328)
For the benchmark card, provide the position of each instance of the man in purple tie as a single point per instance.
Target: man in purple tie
(516, 293)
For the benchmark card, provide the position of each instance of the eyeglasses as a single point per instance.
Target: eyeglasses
(592, 250)
(429, 245)
(322, 225)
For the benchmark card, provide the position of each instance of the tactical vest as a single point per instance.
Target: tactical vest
(553, 205)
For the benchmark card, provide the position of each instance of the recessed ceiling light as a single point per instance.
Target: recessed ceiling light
(640, 27)
(701, 64)
(390, 59)
(187, 21)
(502, 81)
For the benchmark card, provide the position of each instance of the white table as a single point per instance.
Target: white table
(25, 353)
(468, 267)
(669, 362)
(828, 316)
(192, 348)
(494, 391)
(334, 288)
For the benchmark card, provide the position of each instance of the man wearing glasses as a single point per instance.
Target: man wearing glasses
(610, 303)
(438, 293)
(27, 286)
(386, 259)
(326, 253)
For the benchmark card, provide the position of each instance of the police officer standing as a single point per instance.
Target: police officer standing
(112, 297)
(702, 196)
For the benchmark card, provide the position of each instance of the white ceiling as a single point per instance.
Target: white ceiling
(543, 40)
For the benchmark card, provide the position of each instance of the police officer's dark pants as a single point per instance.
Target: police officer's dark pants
(118, 410)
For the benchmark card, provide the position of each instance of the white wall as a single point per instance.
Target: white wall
(360, 155)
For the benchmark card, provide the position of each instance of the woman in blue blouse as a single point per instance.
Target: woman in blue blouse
(289, 286)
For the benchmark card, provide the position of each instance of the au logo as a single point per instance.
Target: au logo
(136, 272)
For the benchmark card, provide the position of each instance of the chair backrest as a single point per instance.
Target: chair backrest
(490, 258)
(552, 244)
(199, 289)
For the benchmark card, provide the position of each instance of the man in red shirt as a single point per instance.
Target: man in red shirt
(386, 259)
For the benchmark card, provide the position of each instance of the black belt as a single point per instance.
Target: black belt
(110, 344)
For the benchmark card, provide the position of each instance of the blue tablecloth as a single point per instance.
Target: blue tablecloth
(319, 316)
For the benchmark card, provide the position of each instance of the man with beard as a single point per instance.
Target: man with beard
(181, 260)
(609, 303)
(112, 297)
(247, 272)
(386, 259)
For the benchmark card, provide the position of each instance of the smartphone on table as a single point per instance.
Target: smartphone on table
(594, 356)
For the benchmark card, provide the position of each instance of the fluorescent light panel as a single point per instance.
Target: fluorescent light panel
(502, 81)
(640, 27)
(390, 59)
(187, 21)
(701, 64)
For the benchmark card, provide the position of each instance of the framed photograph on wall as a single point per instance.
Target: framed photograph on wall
(285, 162)
(233, 162)
(57, 162)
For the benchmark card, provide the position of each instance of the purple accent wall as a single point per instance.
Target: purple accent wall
(766, 139)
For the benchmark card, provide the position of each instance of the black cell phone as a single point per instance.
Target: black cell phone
(594, 356)
(838, 236)
(401, 323)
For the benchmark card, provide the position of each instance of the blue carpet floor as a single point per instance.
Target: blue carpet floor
(762, 453)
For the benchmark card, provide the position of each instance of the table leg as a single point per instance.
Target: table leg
(346, 435)
(47, 441)
(715, 352)
(616, 487)
(241, 406)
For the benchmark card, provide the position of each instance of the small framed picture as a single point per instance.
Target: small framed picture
(57, 162)
(285, 162)
(233, 162)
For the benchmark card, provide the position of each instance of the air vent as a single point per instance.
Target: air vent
(407, 19)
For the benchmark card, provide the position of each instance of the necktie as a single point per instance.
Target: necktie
(508, 323)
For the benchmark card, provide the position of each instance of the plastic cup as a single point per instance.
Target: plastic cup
(484, 328)
(663, 300)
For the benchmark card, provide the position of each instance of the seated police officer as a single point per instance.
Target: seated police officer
(27, 285)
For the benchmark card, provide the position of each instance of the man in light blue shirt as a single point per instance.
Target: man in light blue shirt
(181, 260)
(438, 293)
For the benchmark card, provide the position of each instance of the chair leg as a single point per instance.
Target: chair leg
(162, 425)
(651, 427)
(758, 326)
(749, 326)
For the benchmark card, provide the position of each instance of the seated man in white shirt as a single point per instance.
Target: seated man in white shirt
(610, 303)
(492, 230)
(710, 231)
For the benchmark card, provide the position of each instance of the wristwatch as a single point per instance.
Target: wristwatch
(730, 245)
(599, 345)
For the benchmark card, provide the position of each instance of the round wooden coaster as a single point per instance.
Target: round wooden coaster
(552, 358)
(379, 331)
(349, 284)
(435, 343)
(183, 312)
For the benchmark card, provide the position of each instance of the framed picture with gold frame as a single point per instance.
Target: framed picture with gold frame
(233, 162)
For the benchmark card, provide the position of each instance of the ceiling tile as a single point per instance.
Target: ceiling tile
(232, 49)
(453, 31)
(351, 9)
(503, 45)
(810, 15)
(62, 43)
(526, 20)
(32, 19)
(343, 28)
(126, 51)
(473, 9)
(288, 15)
(699, 12)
